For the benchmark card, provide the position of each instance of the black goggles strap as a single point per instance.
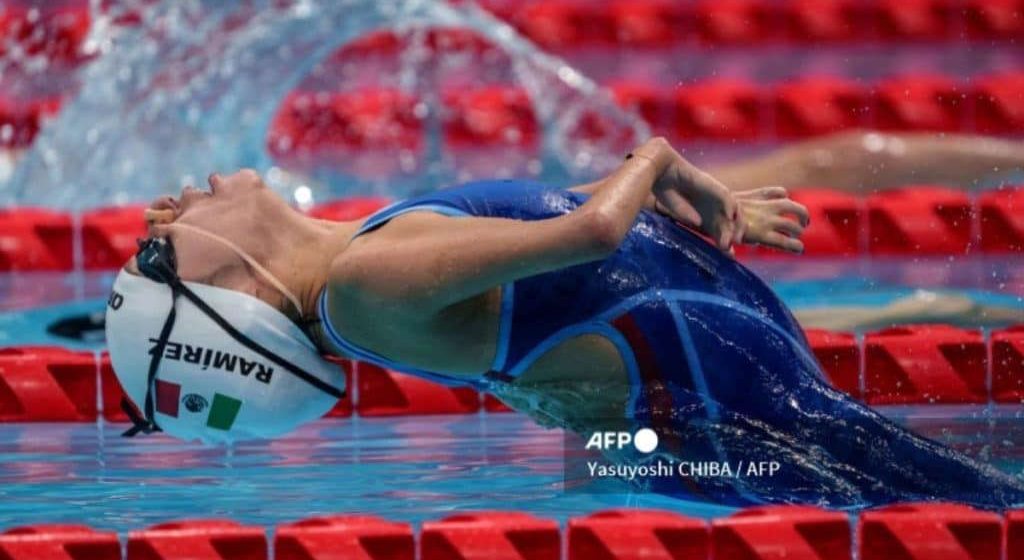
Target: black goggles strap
(147, 423)
(249, 343)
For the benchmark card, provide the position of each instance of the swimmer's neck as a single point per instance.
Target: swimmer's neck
(302, 251)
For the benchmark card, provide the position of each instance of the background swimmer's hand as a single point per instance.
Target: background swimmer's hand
(695, 198)
(772, 219)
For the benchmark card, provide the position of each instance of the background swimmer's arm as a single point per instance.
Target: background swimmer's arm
(423, 262)
(864, 161)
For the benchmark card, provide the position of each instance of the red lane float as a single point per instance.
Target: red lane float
(54, 33)
(929, 532)
(559, 24)
(814, 106)
(20, 120)
(999, 102)
(58, 542)
(1008, 366)
(930, 103)
(919, 220)
(650, 102)
(344, 537)
(994, 19)
(389, 393)
(922, 364)
(719, 109)
(343, 408)
(311, 124)
(490, 535)
(839, 355)
(828, 21)
(494, 404)
(110, 236)
(47, 384)
(200, 539)
(635, 534)
(914, 19)
(488, 117)
(1002, 220)
(35, 239)
(735, 21)
(1015, 534)
(111, 391)
(802, 532)
(837, 218)
(654, 23)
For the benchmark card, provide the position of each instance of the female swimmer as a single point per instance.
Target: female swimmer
(586, 308)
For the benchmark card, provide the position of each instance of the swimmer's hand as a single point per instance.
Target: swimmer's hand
(694, 198)
(772, 219)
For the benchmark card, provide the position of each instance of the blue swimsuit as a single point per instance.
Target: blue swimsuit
(718, 366)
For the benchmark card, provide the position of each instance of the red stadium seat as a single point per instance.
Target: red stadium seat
(199, 539)
(35, 239)
(839, 355)
(919, 220)
(389, 393)
(490, 116)
(736, 21)
(837, 219)
(110, 236)
(628, 534)
(999, 103)
(923, 364)
(58, 542)
(653, 23)
(47, 384)
(929, 102)
(490, 535)
(1008, 367)
(720, 109)
(1002, 220)
(929, 532)
(803, 532)
(338, 537)
(915, 19)
(815, 106)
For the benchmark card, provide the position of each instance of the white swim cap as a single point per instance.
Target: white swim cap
(210, 384)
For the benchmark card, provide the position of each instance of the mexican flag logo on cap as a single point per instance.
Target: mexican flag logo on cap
(222, 412)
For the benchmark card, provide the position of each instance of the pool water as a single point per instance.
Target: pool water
(409, 468)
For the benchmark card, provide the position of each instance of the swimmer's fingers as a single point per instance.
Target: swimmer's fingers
(783, 242)
(794, 208)
(763, 193)
(787, 226)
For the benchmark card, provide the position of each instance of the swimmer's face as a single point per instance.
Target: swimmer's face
(238, 207)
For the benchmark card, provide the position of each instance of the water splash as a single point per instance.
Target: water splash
(194, 86)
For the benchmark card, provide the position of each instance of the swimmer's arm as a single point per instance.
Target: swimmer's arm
(423, 262)
(865, 160)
